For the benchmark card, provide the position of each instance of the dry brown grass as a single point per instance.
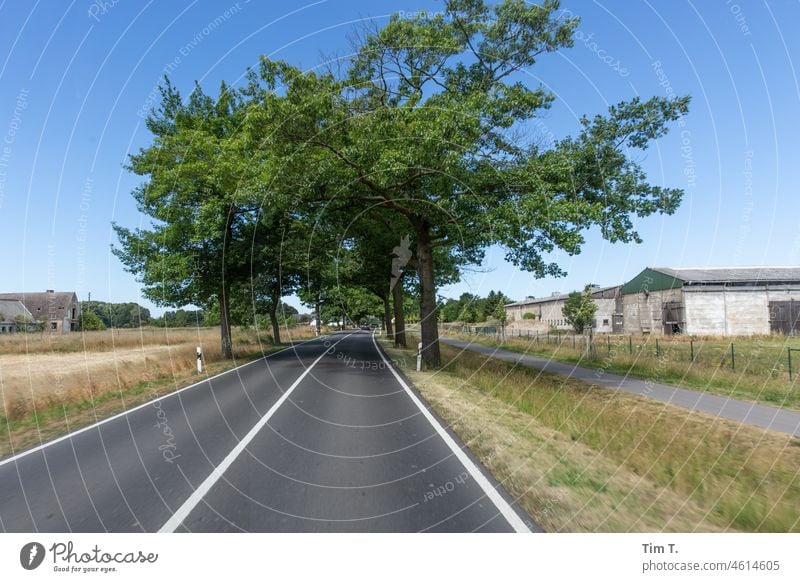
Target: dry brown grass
(115, 339)
(583, 459)
(43, 379)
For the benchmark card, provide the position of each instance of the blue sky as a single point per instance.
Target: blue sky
(75, 78)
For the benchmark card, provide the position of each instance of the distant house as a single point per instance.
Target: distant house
(547, 312)
(58, 311)
(14, 316)
(713, 301)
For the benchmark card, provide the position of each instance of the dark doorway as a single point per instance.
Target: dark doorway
(672, 316)
(784, 317)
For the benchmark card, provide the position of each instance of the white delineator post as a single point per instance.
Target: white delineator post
(419, 356)
(199, 359)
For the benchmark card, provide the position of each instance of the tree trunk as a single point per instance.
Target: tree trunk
(387, 316)
(427, 306)
(225, 326)
(399, 314)
(317, 315)
(276, 328)
(275, 302)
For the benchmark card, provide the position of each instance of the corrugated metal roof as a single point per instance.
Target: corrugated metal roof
(10, 309)
(558, 297)
(733, 274)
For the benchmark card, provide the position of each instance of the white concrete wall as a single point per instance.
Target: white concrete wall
(605, 311)
(705, 313)
(552, 316)
(642, 312)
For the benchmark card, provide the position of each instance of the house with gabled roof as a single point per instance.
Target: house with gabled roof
(14, 316)
(57, 311)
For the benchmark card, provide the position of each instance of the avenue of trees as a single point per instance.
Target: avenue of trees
(382, 177)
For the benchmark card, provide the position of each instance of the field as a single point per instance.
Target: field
(582, 459)
(747, 368)
(49, 384)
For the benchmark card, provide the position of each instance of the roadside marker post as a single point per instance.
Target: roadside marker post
(199, 360)
(419, 357)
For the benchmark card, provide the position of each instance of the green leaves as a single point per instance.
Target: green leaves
(417, 136)
(579, 309)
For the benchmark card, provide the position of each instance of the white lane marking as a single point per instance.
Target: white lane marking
(149, 402)
(198, 494)
(502, 505)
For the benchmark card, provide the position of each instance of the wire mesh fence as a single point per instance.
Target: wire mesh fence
(773, 356)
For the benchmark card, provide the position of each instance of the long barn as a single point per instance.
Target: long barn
(713, 301)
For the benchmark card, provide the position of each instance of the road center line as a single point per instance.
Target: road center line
(502, 505)
(197, 496)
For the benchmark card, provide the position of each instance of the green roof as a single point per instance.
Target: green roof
(651, 280)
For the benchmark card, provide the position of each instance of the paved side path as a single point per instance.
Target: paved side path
(777, 419)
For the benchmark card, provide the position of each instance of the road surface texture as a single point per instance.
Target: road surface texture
(324, 436)
(777, 419)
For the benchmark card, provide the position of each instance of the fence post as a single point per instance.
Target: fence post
(657, 351)
(733, 357)
(608, 344)
(630, 344)
(691, 349)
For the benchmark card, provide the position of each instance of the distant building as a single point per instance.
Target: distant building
(58, 311)
(14, 316)
(547, 312)
(713, 301)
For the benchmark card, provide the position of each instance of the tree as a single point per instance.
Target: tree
(579, 309)
(501, 315)
(444, 87)
(90, 321)
(197, 210)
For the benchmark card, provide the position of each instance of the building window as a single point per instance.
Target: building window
(54, 326)
(605, 322)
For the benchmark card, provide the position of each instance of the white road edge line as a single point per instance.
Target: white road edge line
(69, 435)
(502, 505)
(197, 495)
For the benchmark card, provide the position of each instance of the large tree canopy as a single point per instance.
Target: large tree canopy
(193, 196)
(426, 122)
(422, 132)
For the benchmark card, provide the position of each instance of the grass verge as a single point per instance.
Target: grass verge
(582, 459)
(760, 378)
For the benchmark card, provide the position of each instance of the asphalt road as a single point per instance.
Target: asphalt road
(324, 436)
(759, 415)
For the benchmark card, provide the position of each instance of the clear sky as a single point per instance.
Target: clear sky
(76, 76)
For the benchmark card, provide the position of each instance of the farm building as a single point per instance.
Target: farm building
(58, 311)
(14, 316)
(547, 311)
(713, 301)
